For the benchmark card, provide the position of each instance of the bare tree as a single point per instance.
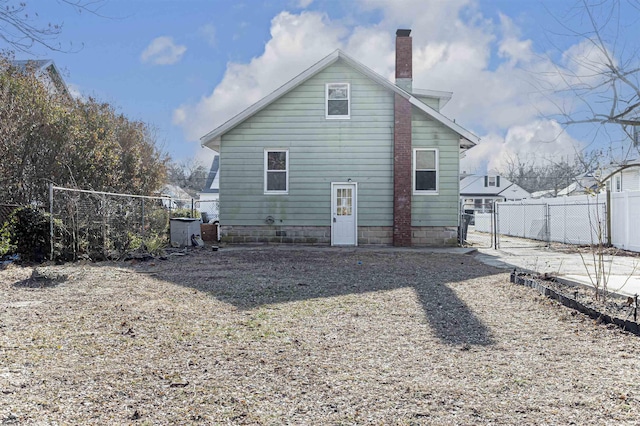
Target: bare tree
(596, 88)
(548, 175)
(599, 79)
(22, 29)
(190, 175)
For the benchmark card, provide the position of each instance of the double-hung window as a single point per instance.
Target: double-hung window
(276, 171)
(338, 100)
(425, 171)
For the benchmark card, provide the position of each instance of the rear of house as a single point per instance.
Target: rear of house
(341, 156)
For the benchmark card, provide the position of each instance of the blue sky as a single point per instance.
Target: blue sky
(185, 66)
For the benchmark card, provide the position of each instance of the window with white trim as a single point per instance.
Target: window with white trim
(276, 171)
(617, 179)
(425, 171)
(338, 100)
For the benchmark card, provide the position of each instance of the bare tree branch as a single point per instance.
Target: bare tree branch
(21, 29)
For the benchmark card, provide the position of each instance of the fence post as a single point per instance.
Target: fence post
(548, 224)
(495, 226)
(51, 220)
(142, 220)
(193, 213)
(607, 207)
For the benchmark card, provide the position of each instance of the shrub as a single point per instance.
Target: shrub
(6, 247)
(27, 233)
(183, 212)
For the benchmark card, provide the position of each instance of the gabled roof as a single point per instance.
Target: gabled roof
(474, 185)
(209, 187)
(45, 66)
(174, 191)
(212, 139)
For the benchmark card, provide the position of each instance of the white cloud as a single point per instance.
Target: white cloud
(538, 142)
(297, 42)
(493, 72)
(303, 4)
(163, 51)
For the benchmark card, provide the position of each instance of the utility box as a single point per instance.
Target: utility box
(182, 229)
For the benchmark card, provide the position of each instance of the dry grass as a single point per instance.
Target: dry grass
(312, 336)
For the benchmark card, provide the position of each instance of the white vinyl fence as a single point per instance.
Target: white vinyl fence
(483, 222)
(580, 219)
(625, 226)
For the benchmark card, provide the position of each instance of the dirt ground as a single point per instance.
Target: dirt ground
(303, 336)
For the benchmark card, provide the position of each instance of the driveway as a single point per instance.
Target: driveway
(303, 336)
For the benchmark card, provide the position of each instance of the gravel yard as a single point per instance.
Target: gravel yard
(303, 336)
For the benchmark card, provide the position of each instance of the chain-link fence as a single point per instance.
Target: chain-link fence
(476, 223)
(570, 220)
(521, 224)
(578, 223)
(209, 210)
(100, 225)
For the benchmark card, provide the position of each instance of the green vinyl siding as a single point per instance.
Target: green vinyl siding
(430, 101)
(439, 209)
(324, 150)
(321, 151)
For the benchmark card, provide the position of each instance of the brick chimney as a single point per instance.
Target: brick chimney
(404, 59)
(402, 182)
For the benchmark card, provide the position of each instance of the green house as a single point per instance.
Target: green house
(340, 155)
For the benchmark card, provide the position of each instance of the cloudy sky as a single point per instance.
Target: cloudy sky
(186, 66)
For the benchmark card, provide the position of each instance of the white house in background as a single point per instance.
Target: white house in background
(47, 73)
(479, 193)
(625, 180)
(210, 194)
(180, 199)
(583, 184)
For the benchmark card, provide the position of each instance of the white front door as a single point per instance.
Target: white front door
(344, 217)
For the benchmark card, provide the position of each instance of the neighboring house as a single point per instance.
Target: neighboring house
(478, 194)
(627, 179)
(47, 73)
(583, 184)
(208, 198)
(340, 155)
(547, 193)
(180, 199)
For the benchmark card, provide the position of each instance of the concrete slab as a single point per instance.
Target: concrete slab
(622, 273)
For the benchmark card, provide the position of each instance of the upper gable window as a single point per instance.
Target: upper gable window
(338, 100)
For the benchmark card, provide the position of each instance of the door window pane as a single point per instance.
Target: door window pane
(344, 202)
